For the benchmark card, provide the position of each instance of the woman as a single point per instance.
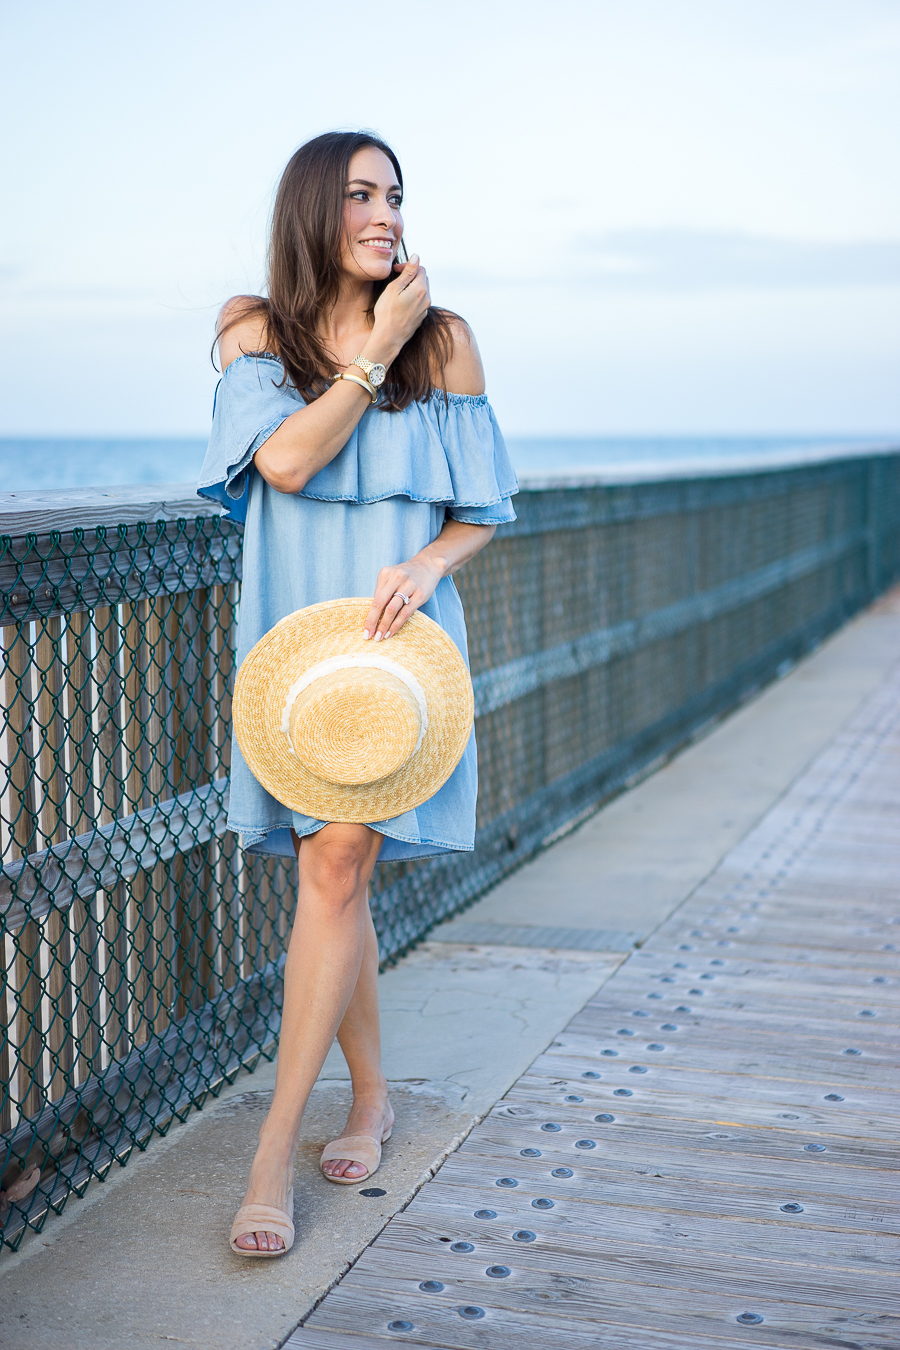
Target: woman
(342, 497)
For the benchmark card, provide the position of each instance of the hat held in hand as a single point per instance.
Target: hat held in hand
(343, 729)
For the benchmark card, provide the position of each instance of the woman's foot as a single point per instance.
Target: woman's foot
(371, 1115)
(271, 1180)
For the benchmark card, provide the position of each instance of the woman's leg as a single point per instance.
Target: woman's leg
(360, 1039)
(325, 956)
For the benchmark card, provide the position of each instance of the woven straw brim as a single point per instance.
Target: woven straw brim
(334, 628)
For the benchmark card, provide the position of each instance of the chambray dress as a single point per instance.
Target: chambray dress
(383, 497)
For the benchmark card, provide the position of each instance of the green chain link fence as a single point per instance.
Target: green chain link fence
(141, 951)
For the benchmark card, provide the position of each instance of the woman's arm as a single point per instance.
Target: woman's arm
(311, 437)
(456, 544)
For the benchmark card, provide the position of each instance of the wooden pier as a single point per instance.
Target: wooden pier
(707, 1156)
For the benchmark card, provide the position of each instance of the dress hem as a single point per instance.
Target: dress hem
(253, 839)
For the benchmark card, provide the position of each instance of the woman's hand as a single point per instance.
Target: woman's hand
(401, 307)
(400, 592)
(403, 589)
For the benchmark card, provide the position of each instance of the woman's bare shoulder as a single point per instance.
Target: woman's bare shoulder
(241, 327)
(463, 373)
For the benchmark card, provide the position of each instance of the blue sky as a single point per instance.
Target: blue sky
(659, 216)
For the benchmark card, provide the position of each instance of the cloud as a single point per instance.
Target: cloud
(672, 261)
(700, 260)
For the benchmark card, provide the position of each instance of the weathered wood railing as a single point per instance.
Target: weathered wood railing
(141, 950)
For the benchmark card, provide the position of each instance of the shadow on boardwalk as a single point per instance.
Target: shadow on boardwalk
(706, 1156)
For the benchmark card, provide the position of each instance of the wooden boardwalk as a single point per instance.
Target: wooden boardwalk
(706, 1158)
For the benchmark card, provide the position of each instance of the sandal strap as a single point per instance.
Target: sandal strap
(264, 1219)
(358, 1148)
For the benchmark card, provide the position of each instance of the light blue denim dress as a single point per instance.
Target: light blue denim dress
(382, 498)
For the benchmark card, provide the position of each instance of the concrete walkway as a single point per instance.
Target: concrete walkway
(142, 1259)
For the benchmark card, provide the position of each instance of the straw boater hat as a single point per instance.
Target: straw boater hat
(344, 729)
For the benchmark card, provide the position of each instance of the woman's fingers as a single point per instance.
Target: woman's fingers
(411, 273)
(384, 591)
(398, 609)
(404, 302)
(392, 605)
(391, 611)
(374, 626)
(372, 618)
(407, 274)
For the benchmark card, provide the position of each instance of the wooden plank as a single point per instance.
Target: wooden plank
(524, 1312)
(802, 984)
(134, 741)
(84, 941)
(820, 1233)
(58, 1004)
(765, 1131)
(618, 1195)
(798, 963)
(691, 1046)
(60, 577)
(874, 1066)
(305, 1339)
(39, 511)
(744, 894)
(848, 1110)
(137, 931)
(862, 954)
(809, 1172)
(718, 1098)
(501, 1329)
(107, 703)
(412, 1243)
(50, 730)
(807, 1058)
(79, 699)
(711, 1077)
(817, 1024)
(81, 866)
(792, 1011)
(17, 710)
(864, 942)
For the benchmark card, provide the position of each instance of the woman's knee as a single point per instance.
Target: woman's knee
(338, 866)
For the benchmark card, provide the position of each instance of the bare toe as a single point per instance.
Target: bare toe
(247, 1242)
(344, 1167)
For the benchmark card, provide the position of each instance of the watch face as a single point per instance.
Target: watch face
(376, 375)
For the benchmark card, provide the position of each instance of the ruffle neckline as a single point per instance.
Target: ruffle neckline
(447, 449)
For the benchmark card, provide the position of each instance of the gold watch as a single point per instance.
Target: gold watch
(373, 370)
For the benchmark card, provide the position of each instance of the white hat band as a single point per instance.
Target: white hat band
(335, 663)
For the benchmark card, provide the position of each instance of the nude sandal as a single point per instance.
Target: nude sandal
(264, 1219)
(358, 1148)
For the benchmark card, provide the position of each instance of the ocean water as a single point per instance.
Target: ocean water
(60, 463)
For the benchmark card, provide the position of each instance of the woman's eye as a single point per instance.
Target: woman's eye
(362, 196)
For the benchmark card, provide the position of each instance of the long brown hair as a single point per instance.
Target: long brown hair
(304, 277)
